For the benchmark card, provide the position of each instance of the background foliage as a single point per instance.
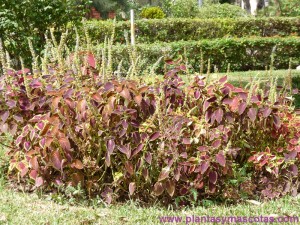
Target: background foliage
(106, 6)
(172, 30)
(221, 11)
(23, 19)
(242, 54)
(152, 13)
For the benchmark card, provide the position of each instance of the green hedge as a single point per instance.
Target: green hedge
(170, 30)
(242, 53)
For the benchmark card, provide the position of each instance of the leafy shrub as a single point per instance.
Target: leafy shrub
(154, 12)
(221, 11)
(282, 8)
(20, 20)
(242, 54)
(184, 8)
(74, 123)
(170, 30)
(289, 8)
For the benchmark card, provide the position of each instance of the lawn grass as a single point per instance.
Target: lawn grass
(36, 208)
(243, 78)
(22, 208)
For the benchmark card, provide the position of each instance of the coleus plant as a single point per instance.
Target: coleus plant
(121, 138)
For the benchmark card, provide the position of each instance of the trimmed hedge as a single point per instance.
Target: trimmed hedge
(242, 53)
(170, 30)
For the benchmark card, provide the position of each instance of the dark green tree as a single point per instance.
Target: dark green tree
(23, 19)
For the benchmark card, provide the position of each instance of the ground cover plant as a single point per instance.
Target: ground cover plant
(74, 122)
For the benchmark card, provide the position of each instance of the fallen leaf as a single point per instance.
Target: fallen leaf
(254, 202)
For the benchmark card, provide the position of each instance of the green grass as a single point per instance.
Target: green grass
(245, 77)
(21, 208)
(35, 208)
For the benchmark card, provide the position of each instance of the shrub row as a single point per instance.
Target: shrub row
(123, 138)
(242, 54)
(170, 30)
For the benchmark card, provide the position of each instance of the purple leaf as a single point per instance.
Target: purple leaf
(42, 143)
(18, 140)
(212, 99)
(294, 170)
(35, 119)
(65, 143)
(137, 149)
(213, 176)
(56, 160)
(294, 141)
(40, 125)
(276, 121)
(223, 79)
(266, 112)
(242, 107)
(186, 141)
(212, 187)
(107, 195)
(243, 95)
(208, 115)
(197, 94)
(158, 189)
(227, 101)
(154, 136)
(252, 113)
(219, 115)
(184, 155)
(254, 99)
(129, 168)
(107, 159)
(26, 70)
(132, 187)
(4, 116)
(206, 105)
(108, 86)
(126, 150)
(204, 167)
(11, 104)
(220, 158)
(110, 146)
(170, 187)
(164, 174)
(182, 67)
(148, 157)
(36, 84)
(4, 127)
(33, 174)
(177, 173)
(39, 181)
(18, 118)
(27, 145)
(216, 143)
(292, 155)
(145, 173)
